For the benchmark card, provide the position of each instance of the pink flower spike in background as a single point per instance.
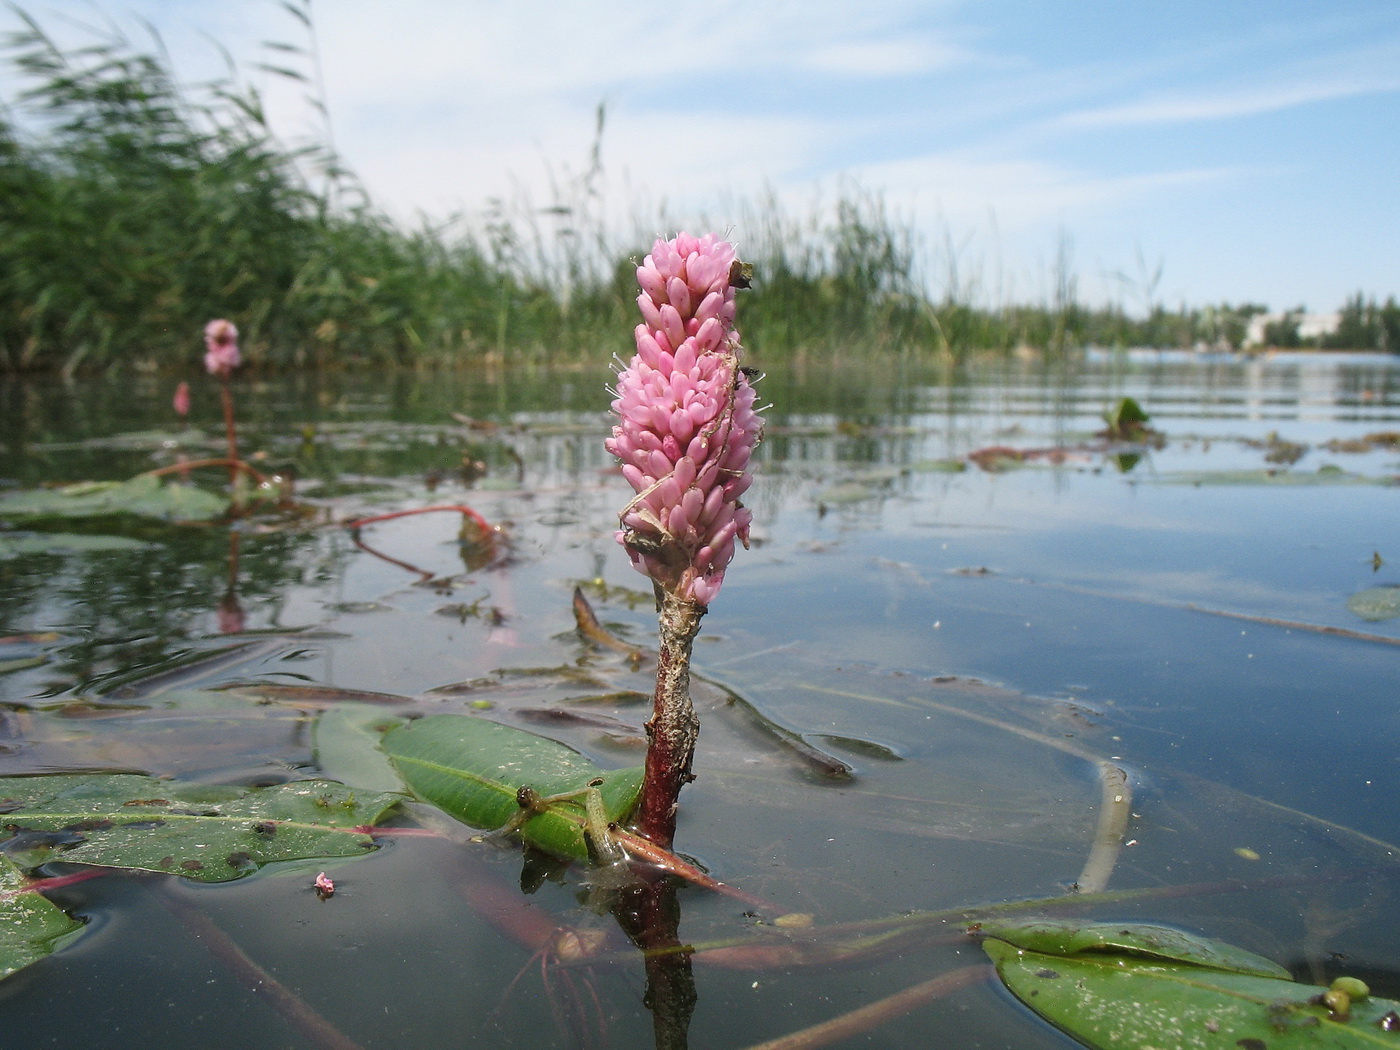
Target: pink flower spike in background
(181, 400)
(685, 433)
(221, 358)
(221, 348)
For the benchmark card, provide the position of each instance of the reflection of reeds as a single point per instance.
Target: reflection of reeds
(137, 207)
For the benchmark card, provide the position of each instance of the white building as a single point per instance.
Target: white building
(1310, 326)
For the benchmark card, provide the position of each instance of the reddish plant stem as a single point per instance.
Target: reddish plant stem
(314, 1029)
(56, 882)
(234, 465)
(230, 430)
(650, 915)
(878, 1012)
(673, 727)
(466, 512)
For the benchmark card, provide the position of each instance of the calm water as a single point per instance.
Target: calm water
(972, 632)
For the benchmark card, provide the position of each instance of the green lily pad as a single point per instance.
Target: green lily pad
(14, 545)
(145, 495)
(1376, 603)
(1137, 987)
(472, 769)
(31, 927)
(211, 834)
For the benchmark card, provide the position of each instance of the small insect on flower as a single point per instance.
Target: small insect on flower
(323, 886)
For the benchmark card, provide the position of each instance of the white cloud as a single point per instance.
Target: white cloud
(884, 58)
(1338, 77)
(1021, 192)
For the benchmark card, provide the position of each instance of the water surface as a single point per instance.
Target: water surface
(957, 587)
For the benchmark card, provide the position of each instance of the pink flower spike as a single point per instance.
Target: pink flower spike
(181, 400)
(221, 348)
(323, 886)
(686, 425)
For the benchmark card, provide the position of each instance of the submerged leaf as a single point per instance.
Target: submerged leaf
(144, 495)
(212, 834)
(1135, 987)
(30, 926)
(346, 738)
(473, 769)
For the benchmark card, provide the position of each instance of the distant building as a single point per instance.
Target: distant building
(1311, 327)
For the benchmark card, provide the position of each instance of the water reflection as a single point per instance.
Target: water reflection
(1178, 612)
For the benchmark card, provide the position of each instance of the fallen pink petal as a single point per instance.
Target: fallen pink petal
(324, 886)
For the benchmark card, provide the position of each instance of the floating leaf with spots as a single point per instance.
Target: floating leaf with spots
(212, 834)
(30, 925)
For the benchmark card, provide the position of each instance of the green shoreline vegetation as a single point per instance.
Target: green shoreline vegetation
(134, 208)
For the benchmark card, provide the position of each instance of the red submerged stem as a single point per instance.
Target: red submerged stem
(465, 511)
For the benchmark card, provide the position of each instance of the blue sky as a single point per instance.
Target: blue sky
(1246, 151)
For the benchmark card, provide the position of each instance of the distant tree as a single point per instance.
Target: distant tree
(1388, 317)
(1283, 333)
(1359, 327)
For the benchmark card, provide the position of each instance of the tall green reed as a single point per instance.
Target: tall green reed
(133, 208)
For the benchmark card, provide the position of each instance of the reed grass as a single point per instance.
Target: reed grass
(134, 208)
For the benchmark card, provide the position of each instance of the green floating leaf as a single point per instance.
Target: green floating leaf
(31, 927)
(144, 495)
(1164, 943)
(14, 545)
(1376, 603)
(211, 834)
(1126, 420)
(1137, 987)
(1325, 475)
(471, 769)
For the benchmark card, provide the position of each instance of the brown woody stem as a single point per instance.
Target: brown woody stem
(673, 728)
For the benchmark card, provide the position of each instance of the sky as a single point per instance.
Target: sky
(1193, 151)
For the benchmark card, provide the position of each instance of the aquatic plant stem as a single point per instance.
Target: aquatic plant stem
(649, 913)
(317, 1032)
(878, 1012)
(230, 430)
(189, 465)
(673, 727)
